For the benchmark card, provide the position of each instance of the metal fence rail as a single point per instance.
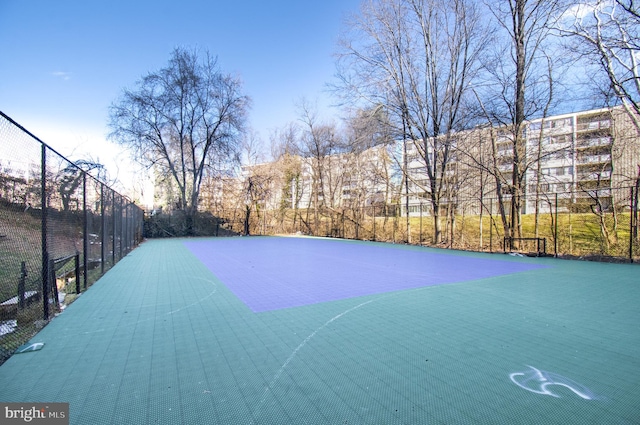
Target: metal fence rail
(60, 230)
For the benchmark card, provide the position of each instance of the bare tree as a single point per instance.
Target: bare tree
(256, 178)
(185, 120)
(416, 57)
(367, 182)
(606, 35)
(519, 86)
(367, 128)
(257, 187)
(319, 144)
(285, 152)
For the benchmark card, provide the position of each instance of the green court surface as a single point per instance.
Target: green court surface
(161, 340)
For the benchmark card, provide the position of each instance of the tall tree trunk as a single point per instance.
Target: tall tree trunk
(247, 217)
(519, 141)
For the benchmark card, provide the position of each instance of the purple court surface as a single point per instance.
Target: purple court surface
(271, 273)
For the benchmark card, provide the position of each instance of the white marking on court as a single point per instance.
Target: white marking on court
(537, 381)
(298, 348)
(211, 281)
(215, 289)
(308, 338)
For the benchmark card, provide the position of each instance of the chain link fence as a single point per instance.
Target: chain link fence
(60, 230)
(598, 224)
(176, 224)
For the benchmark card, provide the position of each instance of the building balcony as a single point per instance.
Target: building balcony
(604, 175)
(593, 125)
(594, 159)
(556, 161)
(533, 135)
(594, 142)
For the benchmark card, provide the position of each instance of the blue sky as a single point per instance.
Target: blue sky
(64, 62)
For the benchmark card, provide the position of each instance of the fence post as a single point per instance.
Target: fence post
(45, 250)
(85, 231)
(480, 226)
(102, 229)
(631, 225)
(555, 231)
(126, 229)
(113, 233)
(77, 271)
(130, 214)
(21, 284)
(54, 284)
(490, 224)
(635, 208)
(374, 222)
(121, 227)
(395, 223)
(132, 237)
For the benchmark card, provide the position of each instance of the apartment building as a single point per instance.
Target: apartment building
(576, 156)
(346, 180)
(584, 155)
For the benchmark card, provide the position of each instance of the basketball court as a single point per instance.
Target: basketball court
(278, 330)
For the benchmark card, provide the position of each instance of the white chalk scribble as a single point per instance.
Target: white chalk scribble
(541, 382)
